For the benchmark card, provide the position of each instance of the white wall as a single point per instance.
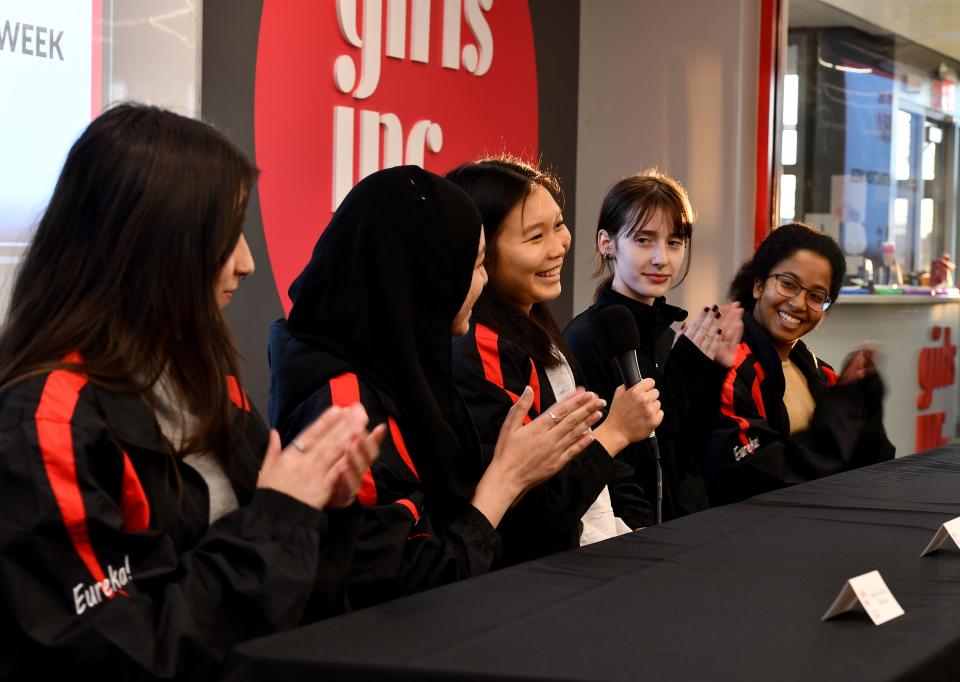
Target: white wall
(672, 84)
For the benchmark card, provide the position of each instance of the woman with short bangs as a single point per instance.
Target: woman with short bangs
(148, 523)
(786, 416)
(644, 245)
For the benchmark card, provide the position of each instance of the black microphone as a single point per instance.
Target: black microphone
(620, 339)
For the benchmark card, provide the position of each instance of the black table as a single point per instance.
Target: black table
(734, 593)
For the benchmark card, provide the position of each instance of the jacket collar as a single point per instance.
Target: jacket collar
(130, 420)
(133, 424)
(651, 319)
(761, 345)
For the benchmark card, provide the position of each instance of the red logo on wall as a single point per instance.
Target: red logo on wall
(347, 87)
(936, 369)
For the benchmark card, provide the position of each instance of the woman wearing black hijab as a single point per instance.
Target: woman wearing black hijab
(393, 276)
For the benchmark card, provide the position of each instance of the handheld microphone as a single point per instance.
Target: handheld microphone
(620, 339)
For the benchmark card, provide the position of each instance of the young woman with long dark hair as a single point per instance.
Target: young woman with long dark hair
(149, 521)
(786, 416)
(513, 341)
(392, 278)
(644, 241)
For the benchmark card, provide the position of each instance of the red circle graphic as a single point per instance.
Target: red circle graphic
(296, 94)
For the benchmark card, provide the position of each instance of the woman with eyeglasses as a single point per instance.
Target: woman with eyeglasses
(785, 415)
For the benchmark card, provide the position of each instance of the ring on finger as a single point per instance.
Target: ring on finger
(298, 444)
(553, 417)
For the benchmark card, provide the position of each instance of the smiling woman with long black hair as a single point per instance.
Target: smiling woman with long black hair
(513, 341)
(148, 520)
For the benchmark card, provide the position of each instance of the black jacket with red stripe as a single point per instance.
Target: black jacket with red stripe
(689, 385)
(752, 450)
(399, 549)
(110, 568)
(491, 372)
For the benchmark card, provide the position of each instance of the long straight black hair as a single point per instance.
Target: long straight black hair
(496, 184)
(147, 210)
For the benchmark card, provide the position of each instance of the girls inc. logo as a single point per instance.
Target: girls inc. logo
(937, 368)
(347, 87)
(423, 134)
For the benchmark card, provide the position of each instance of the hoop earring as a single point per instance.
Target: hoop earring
(607, 258)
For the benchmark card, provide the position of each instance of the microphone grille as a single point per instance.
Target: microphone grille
(618, 330)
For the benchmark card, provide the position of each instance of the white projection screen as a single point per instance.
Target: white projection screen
(51, 80)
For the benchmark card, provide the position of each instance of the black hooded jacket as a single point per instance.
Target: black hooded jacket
(110, 568)
(689, 384)
(400, 547)
(491, 372)
(752, 449)
(371, 323)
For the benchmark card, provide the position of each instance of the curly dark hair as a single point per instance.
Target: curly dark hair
(779, 245)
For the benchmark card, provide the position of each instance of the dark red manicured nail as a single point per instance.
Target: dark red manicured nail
(706, 309)
(714, 308)
(719, 331)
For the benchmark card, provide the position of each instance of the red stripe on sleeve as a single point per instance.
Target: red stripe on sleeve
(489, 354)
(829, 374)
(755, 389)
(367, 494)
(237, 396)
(133, 500)
(58, 401)
(401, 446)
(726, 394)
(490, 357)
(345, 391)
(411, 507)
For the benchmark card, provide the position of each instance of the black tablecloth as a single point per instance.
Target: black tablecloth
(734, 593)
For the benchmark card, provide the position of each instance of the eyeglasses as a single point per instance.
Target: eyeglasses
(789, 287)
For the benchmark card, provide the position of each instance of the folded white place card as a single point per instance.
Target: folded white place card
(872, 593)
(951, 529)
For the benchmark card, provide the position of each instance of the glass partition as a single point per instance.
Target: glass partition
(866, 141)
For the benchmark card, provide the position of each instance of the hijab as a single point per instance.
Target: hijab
(381, 290)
